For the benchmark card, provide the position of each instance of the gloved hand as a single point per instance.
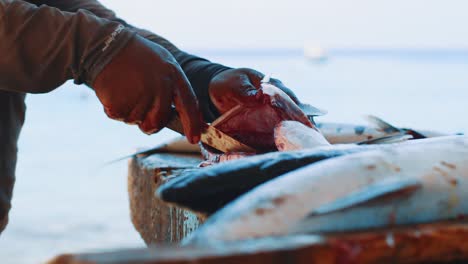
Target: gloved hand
(239, 86)
(141, 83)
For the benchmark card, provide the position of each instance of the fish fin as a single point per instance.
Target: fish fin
(142, 153)
(394, 185)
(381, 124)
(309, 110)
(414, 133)
(312, 111)
(175, 145)
(401, 137)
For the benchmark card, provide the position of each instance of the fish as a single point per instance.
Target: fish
(208, 189)
(229, 181)
(334, 133)
(342, 133)
(413, 182)
(292, 135)
(253, 124)
(417, 134)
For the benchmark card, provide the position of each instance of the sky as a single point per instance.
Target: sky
(294, 23)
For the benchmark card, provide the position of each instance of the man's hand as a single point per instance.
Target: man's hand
(141, 83)
(240, 86)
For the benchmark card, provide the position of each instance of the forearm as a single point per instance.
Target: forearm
(42, 47)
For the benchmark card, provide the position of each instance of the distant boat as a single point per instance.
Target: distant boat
(315, 53)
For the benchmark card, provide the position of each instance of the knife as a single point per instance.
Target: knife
(211, 136)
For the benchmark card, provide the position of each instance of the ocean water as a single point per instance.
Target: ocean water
(65, 200)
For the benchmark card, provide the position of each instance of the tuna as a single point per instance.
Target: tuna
(253, 125)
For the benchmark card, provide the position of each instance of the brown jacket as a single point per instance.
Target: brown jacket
(44, 43)
(42, 47)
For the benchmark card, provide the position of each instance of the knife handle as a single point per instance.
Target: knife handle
(175, 123)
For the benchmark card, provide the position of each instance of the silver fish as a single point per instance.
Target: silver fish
(292, 135)
(341, 133)
(338, 133)
(428, 178)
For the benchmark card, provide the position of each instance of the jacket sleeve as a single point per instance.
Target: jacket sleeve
(42, 47)
(199, 71)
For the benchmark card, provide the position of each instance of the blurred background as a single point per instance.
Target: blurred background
(404, 61)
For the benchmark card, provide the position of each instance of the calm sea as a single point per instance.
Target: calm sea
(66, 201)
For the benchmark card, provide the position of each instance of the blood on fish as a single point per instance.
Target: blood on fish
(260, 211)
(454, 182)
(279, 200)
(254, 125)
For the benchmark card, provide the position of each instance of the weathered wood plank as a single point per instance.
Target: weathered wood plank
(155, 220)
(428, 243)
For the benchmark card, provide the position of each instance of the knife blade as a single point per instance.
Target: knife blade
(212, 137)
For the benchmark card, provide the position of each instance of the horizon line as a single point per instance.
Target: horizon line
(338, 51)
